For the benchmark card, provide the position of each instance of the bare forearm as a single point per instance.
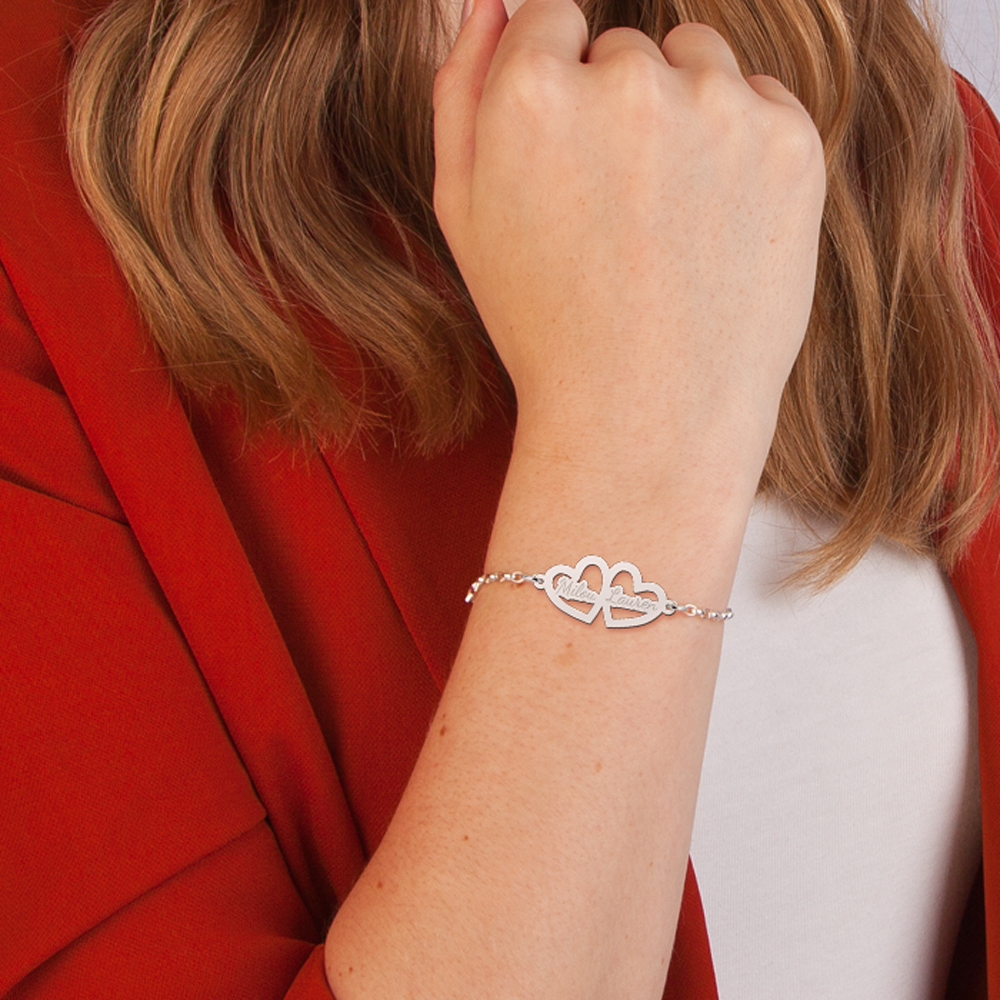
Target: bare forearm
(647, 289)
(541, 845)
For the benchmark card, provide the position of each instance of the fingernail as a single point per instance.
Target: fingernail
(466, 11)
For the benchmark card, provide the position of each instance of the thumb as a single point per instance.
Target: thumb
(458, 88)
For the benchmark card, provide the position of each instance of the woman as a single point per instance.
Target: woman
(228, 637)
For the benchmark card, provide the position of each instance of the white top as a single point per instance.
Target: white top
(838, 830)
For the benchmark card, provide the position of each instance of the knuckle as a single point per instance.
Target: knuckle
(798, 141)
(619, 34)
(532, 80)
(716, 93)
(574, 13)
(568, 12)
(637, 79)
(696, 30)
(693, 35)
(718, 107)
(794, 157)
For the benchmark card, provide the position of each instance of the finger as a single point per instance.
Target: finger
(554, 27)
(697, 46)
(458, 88)
(616, 40)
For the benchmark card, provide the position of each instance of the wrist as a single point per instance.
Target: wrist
(682, 529)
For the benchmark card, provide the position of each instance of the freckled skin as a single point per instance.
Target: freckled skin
(568, 656)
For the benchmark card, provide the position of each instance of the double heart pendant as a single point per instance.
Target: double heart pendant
(567, 589)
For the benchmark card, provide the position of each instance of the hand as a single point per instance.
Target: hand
(637, 226)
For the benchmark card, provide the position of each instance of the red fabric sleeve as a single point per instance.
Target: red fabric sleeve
(977, 577)
(136, 858)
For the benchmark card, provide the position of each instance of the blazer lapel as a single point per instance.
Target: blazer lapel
(427, 524)
(83, 313)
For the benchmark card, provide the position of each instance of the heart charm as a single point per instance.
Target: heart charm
(614, 596)
(563, 583)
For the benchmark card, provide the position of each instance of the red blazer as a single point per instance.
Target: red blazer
(218, 662)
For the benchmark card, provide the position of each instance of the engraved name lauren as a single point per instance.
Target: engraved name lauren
(619, 599)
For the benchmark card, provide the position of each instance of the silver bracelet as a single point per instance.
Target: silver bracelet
(563, 583)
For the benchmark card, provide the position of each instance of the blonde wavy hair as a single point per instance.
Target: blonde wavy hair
(264, 168)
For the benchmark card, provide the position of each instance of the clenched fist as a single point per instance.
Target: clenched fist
(638, 226)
